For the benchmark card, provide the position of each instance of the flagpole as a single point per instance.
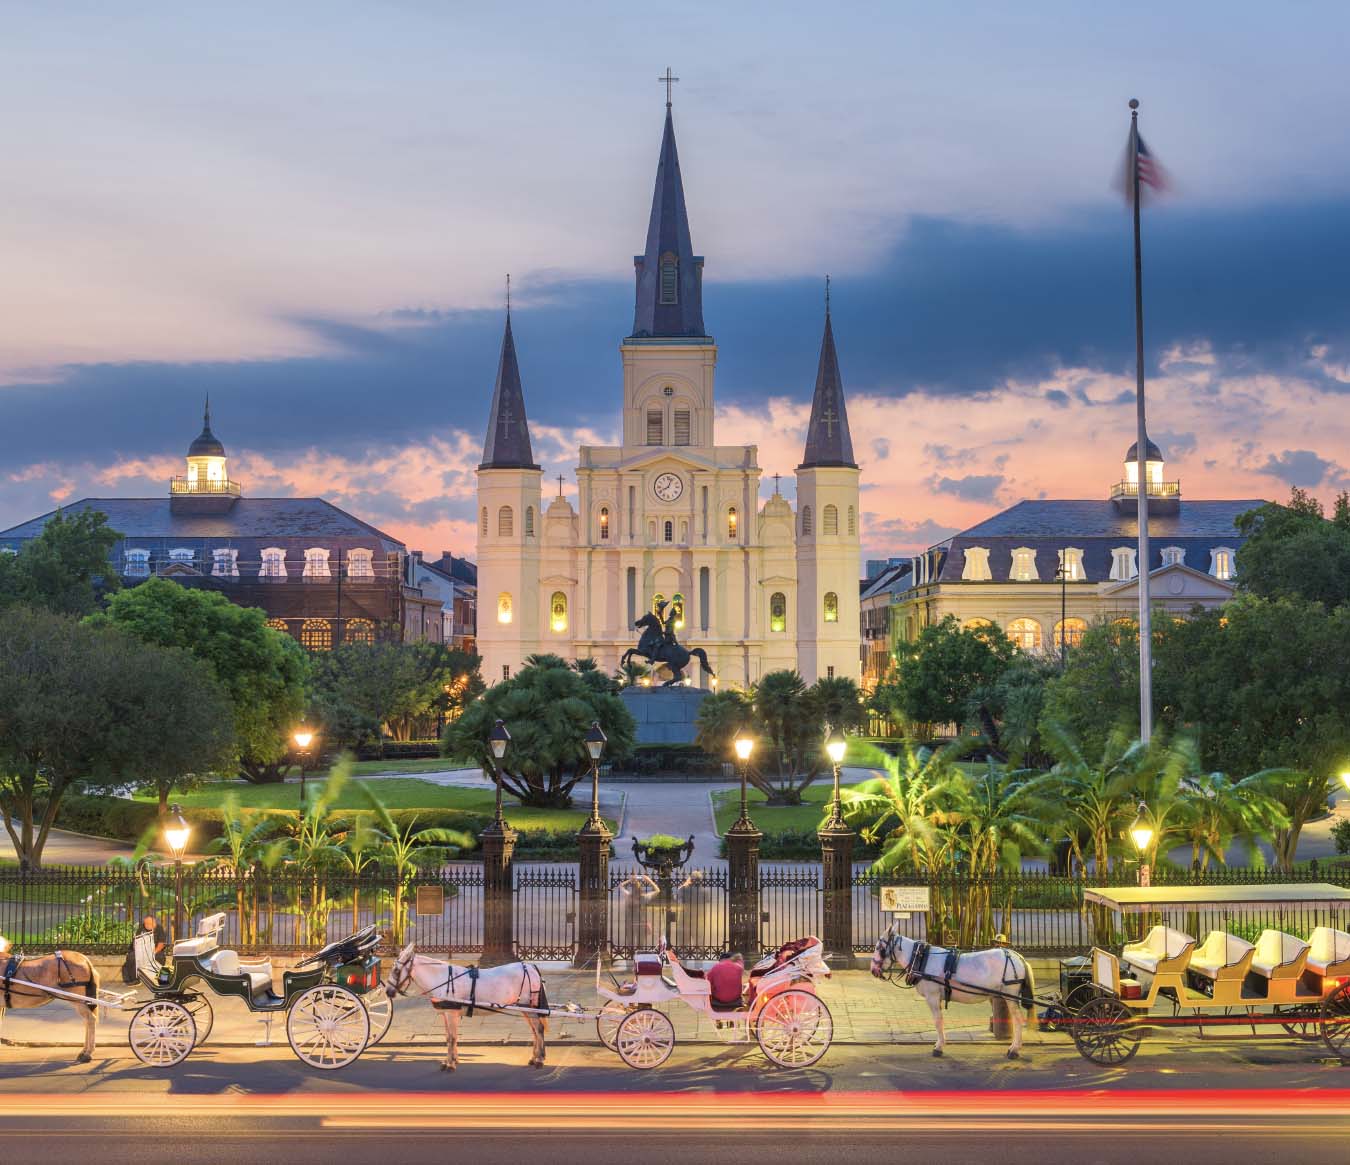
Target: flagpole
(1141, 449)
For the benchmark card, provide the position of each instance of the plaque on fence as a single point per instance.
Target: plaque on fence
(904, 900)
(430, 901)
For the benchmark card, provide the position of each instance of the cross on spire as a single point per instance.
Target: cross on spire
(775, 484)
(829, 418)
(827, 295)
(668, 80)
(508, 293)
(560, 484)
(505, 420)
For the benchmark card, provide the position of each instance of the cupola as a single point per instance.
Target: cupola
(206, 486)
(1163, 496)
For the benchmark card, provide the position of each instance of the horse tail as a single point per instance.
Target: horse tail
(91, 988)
(702, 656)
(541, 996)
(1028, 993)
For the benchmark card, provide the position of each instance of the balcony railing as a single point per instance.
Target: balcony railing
(223, 488)
(1156, 489)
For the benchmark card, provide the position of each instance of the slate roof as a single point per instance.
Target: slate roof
(262, 519)
(828, 441)
(668, 233)
(459, 569)
(507, 445)
(1095, 527)
(894, 578)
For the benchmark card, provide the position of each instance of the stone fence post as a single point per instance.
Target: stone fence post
(499, 843)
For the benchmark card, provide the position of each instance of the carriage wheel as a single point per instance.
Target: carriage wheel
(1105, 1031)
(1303, 1020)
(328, 1027)
(607, 1022)
(645, 1038)
(794, 1029)
(162, 1033)
(202, 1016)
(1336, 1022)
(380, 1008)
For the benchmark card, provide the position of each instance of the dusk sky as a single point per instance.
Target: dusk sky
(307, 210)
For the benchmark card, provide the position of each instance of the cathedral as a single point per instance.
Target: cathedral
(669, 516)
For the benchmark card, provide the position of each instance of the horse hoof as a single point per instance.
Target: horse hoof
(83, 1058)
(1012, 1055)
(937, 1051)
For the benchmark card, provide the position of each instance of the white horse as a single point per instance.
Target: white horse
(978, 977)
(450, 989)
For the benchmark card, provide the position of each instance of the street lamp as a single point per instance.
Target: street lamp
(1345, 779)
(595, 745)
(498, 739)
(303, 738)
(176, 834)
(835, 747)
(745, 745)
(1141, 833)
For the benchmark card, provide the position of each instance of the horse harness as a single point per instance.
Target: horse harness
(13, 963)
(916, 973)
(472, 972)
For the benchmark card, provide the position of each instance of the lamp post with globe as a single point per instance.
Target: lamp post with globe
(593, 842)
(1141, 833)
(176, 834)
(743, 862)
(498, 842)
(303, 738)
(836, 874)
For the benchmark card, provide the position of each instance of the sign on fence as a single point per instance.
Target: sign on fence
(430, 901)
(904, 900)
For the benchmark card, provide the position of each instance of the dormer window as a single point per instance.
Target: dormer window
(360, 563)
(182, 556)
(225, 563)
(136, 563)
(1071, 565)
(670, 278)
(1173, 556)
(1123, 564)
(1221, 562)
(976, 568)
(316, 563)
(273, 563)
(1023, 565)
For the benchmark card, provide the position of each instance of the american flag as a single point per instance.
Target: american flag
(1151, 173)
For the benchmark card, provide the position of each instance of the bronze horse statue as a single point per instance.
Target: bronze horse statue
(657, 646)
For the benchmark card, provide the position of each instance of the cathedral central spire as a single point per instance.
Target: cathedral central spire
(828, 440)
(507, 445)
(669, 274)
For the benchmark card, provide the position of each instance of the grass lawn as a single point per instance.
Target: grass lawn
(438, 764)
(394, 793)
(775, 818)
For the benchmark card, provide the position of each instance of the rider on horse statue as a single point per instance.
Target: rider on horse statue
(659, 645)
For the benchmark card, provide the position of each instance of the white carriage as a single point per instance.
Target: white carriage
(777, 1007)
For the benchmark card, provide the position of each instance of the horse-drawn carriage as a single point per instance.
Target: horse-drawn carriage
(332, 1011)
(1226, 983)
(777, 1007)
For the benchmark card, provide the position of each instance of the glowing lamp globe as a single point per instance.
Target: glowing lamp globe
(498, 739)
(303, 738)
(176, 832)
(745, 745)
(595, 740)
(1141, 832)
(835, 747)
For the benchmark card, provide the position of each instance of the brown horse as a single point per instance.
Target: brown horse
(21, 984)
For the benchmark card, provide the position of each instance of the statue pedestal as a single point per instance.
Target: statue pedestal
(663, 715)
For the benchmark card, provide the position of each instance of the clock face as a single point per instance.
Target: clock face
(668, 487)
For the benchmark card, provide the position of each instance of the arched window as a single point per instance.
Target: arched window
(1023, 565)
(316, 563)
(655, 425)
(1025, 633)
(504, 607)
(557, 612)
(1221, 562)
(1123, 564)
(806, 520)
(482, 523)
(360, 562)
(831, 607)
(136, 563)
(316, 635)
(778, 612)
(651, 530)
(657, 600)
(604, 523)
(669, 531)
(677, 610)
(273, 563)
(683, 426)
(975, 623)
(506, 522)
(670, 278)
(829, 520)
(704, 596)
(529, 521)
(1069, 632)
(278, 625)
(976, 566)
(732, 523)
(852, 521)
(359, 631)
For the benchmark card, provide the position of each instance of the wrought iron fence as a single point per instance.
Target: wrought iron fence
(545, 906)
(688, 909)
(790, 903)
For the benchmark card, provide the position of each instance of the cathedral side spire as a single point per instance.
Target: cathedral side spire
(507, 445)
(669, 274)
(828, 441)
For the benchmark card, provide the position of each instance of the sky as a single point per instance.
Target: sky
(308, 211)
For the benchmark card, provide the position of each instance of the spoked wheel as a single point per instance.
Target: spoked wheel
(607, 1022)
(328, 1027)
(1105, 1031)
(645, 1038)
(162, 1033)
(1302, 1020)
(1336, 1022)
(794, 1029)
(380, 1008)
(202, 1016)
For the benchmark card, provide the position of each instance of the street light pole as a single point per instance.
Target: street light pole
(499, 842)
(1141, 833)
(835, 747)
(743, 864)
(303, 738)
(176, 834)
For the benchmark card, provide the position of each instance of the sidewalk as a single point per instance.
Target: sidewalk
(865, 1011)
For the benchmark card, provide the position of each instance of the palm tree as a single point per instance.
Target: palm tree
(245, 844)
(1224, 811)
(633, 672)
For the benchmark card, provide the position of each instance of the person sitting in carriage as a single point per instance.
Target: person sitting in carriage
(726, 978)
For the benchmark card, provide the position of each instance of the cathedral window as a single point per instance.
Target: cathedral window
(852, 521)
(506, 671)
(829, 520)
(316, 563)
(1071, 565)
(684, 533)
(278, 625)
(604, 523)
(273, 563)
(831, 607)
(1069, 632)
(670, 278)
(669, 531)
(1221, 562)
(1123, 564)
(136, 563)
(976, 568)
(557, 612)
(361, 564)
(732, 523)
(1173, 556)
(651, 530)
(683, 427)
(506, 522)
(482, 522)
(359, 631)
(316, 635)
(632, 595)
(504, 607)
(704, 596)
(225, 563)
(806, 520)
(677, 610)
(655, 428)
(1023, 565)
(1025, 634)
(529, 521)
(778, 612)
(975, 623)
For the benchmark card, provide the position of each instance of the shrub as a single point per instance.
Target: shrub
(1340, 834)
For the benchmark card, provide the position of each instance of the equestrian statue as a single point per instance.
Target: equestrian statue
(658, 645)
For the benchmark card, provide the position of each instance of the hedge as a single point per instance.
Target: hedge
(800, 843)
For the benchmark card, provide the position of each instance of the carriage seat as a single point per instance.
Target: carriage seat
(1329, 952)
(259, 973)
(204, 941)
(1162, 950)
(1223, 956)
(1279, 955)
